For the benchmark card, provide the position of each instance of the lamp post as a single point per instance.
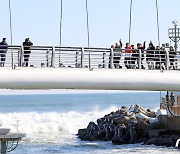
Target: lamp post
(174, 34)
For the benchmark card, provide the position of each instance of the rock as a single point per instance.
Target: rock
(142, 140)
(119, 132)
(125, 120)
(133, 135)
(120, 120)
(153, 133)
(151, 141)
(119, 141)
(151, 114)
(136, 109)
(122, 110)
(143, 126)
(121, 129)
(110, 132)
(133, 125)
(143, 117)
(82, 132)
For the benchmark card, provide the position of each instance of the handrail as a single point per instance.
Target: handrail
(77, 57)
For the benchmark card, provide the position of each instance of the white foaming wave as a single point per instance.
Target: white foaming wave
(63, 91)
(51, 122)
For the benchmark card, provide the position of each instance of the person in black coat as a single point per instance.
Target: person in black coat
(150, 55)
(26, 44)
(172, 57)
(3, 50)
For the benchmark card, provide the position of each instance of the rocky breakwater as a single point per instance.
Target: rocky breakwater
(130, 126)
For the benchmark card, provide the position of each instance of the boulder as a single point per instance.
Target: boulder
(143, 126)
(133, 135)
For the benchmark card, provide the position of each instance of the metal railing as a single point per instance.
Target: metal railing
(78, 57)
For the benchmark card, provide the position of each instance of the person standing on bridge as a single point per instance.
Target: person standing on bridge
(117, 54)
(26, 44)
(150, 56)
(3, 50)
(140, 52)
(172, 58)
(128, 53)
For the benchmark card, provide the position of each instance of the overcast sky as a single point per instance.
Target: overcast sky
(109, 21)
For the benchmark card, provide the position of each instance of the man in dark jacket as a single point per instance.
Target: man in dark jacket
(3, 50)
(27, 43)
(150, 55)
(172, 58)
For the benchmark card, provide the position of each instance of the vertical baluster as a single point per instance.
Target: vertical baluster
(82, 58)
(140, 58)
(167, 60)
(53, 57)
(111, 59)
(104, 60)
(77, 64)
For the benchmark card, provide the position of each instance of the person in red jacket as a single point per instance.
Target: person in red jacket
(128, 53)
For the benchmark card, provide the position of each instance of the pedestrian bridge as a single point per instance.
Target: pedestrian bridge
(89, 68)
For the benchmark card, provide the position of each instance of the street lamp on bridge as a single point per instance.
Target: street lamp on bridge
(174, 34)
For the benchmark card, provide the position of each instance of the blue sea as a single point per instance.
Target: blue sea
(51, 121)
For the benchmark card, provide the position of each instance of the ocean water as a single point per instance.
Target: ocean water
(52, 120)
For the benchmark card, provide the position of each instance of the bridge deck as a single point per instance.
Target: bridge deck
(78, 78)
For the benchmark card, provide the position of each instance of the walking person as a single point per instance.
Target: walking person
(26, 44)
(3, 51)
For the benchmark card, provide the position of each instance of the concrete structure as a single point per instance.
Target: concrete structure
(102, 79)
(7, 138)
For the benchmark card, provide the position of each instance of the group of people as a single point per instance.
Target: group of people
(133, 58)
(4, 47)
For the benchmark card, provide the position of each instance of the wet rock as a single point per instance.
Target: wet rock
(143, 126)
(128, 126)
(133, 135)
(151, 141)
(110, 132)
(82, 132)
(153, 133)
(151, 114)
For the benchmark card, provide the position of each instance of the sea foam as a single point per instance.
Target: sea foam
(51, 122)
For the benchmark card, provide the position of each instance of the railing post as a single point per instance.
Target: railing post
(77, 55)
(47, 58)
(140, 59)
(21, 55)
(167, 60)
(104, 60)
(53, 57)
(111, 58)
(82, 58)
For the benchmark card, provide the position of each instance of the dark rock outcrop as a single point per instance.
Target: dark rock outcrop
(128, 126)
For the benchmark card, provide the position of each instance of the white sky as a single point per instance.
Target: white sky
(109, 21)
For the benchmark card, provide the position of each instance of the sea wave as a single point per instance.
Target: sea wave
(51, 122)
